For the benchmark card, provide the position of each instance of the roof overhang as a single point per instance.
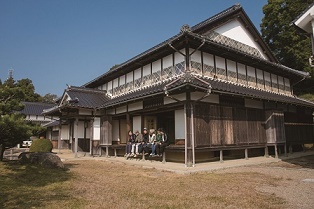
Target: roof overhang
(306, 20)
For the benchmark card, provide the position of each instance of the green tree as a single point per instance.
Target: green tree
(291, 47)
(49, 98)
(13, 128)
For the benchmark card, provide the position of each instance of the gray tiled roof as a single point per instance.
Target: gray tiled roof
(86, 98)
(35, 108)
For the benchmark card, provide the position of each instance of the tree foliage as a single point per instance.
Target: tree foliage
(49, 98)
(289, 45)
(13, 128)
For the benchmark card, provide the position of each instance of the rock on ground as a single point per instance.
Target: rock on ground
(45, 159)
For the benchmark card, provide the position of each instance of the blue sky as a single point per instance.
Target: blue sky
(59, 42)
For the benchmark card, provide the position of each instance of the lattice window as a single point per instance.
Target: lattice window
(232, 76)
(129, 86)
(242, 79)
(208, 70)
(251, 81)
(268, 85)
(179, 68)
(137, 83)
(196, 67)
(214, 36)
(221, 73)
(147, 80)
(167, 73)
(260, 83)
(156, 77)
(281, 88)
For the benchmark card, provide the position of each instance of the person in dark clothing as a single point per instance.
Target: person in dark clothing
(145, 141)
(162, 141)
(130, 141)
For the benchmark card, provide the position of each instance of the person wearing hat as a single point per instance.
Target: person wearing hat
(162, 141)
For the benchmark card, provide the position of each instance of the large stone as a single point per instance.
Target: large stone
(45, 159)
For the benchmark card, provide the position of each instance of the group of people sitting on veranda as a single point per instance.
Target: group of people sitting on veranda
(139, 142)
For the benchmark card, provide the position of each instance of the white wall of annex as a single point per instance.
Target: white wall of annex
(147, 70)
(236, 31)
(137, 123)
(129, 77)
(156, 66)
(65, 132)
(167, 61)
(115, 130)
(179, 124)
(197, 56)
(96, 128)
(122, 80)
(137, 73)
(241, 69)
(208, 59)
(178, 57)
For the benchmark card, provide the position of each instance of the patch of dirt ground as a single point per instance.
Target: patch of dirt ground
(102, 184)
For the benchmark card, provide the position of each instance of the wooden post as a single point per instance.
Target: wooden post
(76, 137)
(59, 137)
(276, 151)
(185, 139)
(193, 140)
(286, 154)
(91, 138)
(266, 151)
(164, 157)
(107, 151)
(143, 155)
(290, 149)
(221, 156)
(115, 152)
(246, 154)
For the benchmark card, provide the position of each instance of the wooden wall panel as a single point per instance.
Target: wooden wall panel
(227, 125)
(253, 135)
(201, 124)
(275, 130)
(239, 126)
(215, 125)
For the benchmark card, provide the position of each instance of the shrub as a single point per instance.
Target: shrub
(41, 145)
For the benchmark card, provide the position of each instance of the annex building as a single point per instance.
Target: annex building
(215, 88)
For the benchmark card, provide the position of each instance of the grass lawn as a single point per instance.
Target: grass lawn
(30, 186)
(99, 184)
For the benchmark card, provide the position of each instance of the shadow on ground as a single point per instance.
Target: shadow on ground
(31, 186)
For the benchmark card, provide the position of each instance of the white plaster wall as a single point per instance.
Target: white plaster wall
(147, 70)
(236, 31)
(137, 73)
(259, 74)
(135, 106)
(287, 82)
(65, 132)
(156, 66)
(122, 80)
(80, 129)
(220, 62)
(280, 80)
(180, 97)
(267, 76)
(109, 85)
(179, 124)
(137, 123)
(167, 61)
(115, 130)
(212, 98)
(274, 79)
(178, 57)
(115, 82)
(85, 112)
(253, 103)
(251, 71)
(120, 109)
(241, 69)
(208, 59)
(96, 128)
(231, 66)
(197, 56)
(111, 111)
(129, 77)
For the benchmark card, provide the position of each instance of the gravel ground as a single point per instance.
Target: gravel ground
(290, 184)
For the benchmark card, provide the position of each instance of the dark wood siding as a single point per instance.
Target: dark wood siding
(202, 127)
(275, 130)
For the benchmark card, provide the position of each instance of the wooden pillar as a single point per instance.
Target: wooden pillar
(189, 132)
(221, 156)
(266, 152)
(59, 137)
(107, 151)
(246, 154)
(290, 149)
(115, 152)
(128, 124)
(286, 153)
(164, 157)
(276, 151)
(76, 137)
(91, 138)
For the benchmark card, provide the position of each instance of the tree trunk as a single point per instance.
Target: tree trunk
(2, 148)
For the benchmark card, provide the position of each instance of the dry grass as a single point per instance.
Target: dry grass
(115, 185)
(29, 186)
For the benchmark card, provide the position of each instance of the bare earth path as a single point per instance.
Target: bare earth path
(105, 184)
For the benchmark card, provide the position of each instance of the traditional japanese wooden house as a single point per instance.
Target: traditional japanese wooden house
(213, 87)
